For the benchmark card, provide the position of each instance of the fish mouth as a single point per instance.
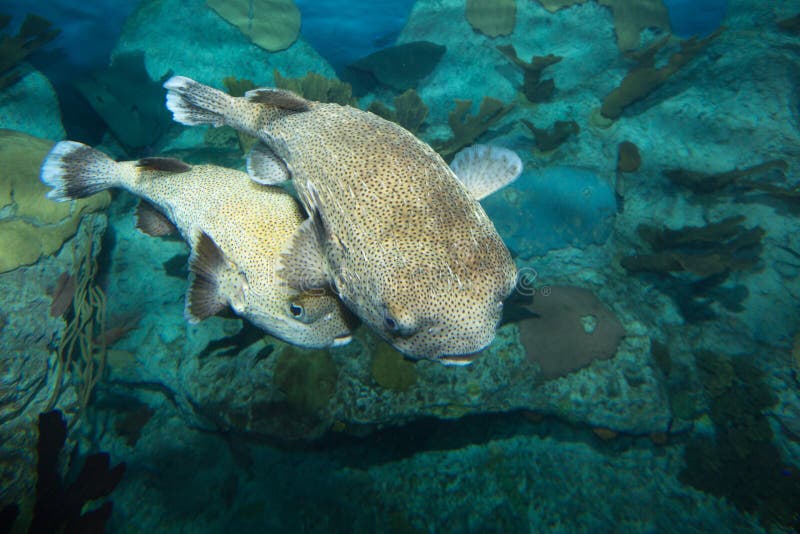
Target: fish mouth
(458, 360)
(340, 341)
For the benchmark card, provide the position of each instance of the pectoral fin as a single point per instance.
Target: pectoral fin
(214, 282)
(484, 169)
(265, 167)
(302, 265)
(152, 222)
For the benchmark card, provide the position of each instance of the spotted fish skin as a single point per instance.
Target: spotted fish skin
(404, 243)
(249, 224)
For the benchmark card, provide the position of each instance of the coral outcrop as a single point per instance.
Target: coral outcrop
(271, 24)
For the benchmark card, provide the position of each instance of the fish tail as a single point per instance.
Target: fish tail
(75, 170)
(193, 103)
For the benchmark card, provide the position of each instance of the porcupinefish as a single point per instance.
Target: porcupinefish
(399, 238)
(235, 227)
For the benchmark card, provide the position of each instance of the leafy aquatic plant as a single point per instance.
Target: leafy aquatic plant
(34, 33)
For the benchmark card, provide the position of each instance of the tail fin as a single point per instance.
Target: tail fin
(75, 170)
(193, 103)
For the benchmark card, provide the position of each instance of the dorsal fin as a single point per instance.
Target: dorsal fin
(163, 164)
(207, 264)
(152, 222)
(279, 98)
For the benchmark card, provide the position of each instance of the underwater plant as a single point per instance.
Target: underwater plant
(534, 88)
(34, 33)
(710, 253)
(645, 77)
(409, 110)
(547, 139)
(317, 87)
(467, 128)
(81, 350)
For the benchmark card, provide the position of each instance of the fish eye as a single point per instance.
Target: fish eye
(390, 324)
(296, 310)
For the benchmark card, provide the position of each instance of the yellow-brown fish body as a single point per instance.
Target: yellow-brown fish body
(405, 244)
(235, 227)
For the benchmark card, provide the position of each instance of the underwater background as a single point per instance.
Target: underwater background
(646, 377)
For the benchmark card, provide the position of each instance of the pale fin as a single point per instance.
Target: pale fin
(302, 263)
(207, 266)
(484, 169)
(172, 165)
(152, 222)
(193, 103)
(265, 167)
(75, 170)
(280, 98)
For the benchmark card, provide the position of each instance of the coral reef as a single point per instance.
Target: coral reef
(705, 251)
(707, 183)
(645, 77)
(400, 67)
(790, 25)
(129, 102)
(710, 253)
(60, 507)
(271, 24)
(468, 128)
(534, 88)
(741, 462)
(630, 17)
(554, 5)
(34, 33)
(628, 157)
(314, 86)
(409, 110)
(547, 139)
(570, 329)
(34, 226)
(492, 17)
(390, 370)
(633, 16)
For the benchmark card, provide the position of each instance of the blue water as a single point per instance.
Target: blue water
(643, 375)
